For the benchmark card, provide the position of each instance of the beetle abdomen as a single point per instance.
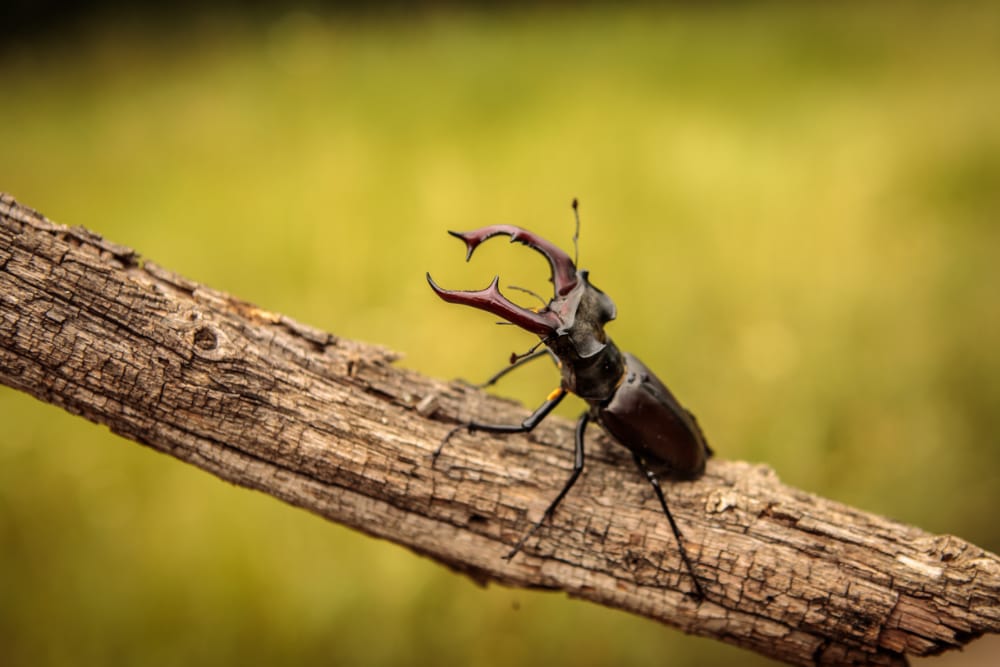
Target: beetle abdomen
(646, 418)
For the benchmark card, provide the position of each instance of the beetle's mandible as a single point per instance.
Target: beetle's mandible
(622, 394)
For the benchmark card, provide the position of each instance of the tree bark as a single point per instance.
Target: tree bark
(330, 425)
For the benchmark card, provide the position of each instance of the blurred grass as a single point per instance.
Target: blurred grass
(795, 209)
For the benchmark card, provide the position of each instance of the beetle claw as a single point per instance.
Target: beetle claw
(563, 269)
(543, 323)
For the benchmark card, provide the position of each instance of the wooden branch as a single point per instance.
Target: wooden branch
(332, 426)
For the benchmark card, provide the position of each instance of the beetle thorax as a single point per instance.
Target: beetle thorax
(593, 378)
(591, 363)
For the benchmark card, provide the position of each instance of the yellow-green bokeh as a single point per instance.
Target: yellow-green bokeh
(795, 209)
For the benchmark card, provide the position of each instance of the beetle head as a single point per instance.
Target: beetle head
(577, 312)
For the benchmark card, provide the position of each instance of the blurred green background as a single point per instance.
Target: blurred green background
(794, 207)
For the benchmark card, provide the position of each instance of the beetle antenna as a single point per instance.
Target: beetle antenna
(576, 234)
(528, 291)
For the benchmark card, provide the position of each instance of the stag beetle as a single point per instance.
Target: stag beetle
(623, 395)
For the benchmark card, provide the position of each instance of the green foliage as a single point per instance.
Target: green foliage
(795, 209)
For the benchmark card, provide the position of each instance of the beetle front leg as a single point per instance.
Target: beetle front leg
(531, 356)
(533, 420)
(581, 427)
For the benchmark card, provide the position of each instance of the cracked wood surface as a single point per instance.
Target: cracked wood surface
(330, 425)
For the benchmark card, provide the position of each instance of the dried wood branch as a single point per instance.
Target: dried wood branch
(332, 426)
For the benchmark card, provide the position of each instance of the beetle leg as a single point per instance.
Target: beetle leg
(520, 361)
(581, 427)
(651, 476)
(533, 420)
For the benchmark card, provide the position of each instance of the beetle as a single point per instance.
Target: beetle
(623, 395)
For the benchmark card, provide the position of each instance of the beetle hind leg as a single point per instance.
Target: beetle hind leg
(655, 482)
